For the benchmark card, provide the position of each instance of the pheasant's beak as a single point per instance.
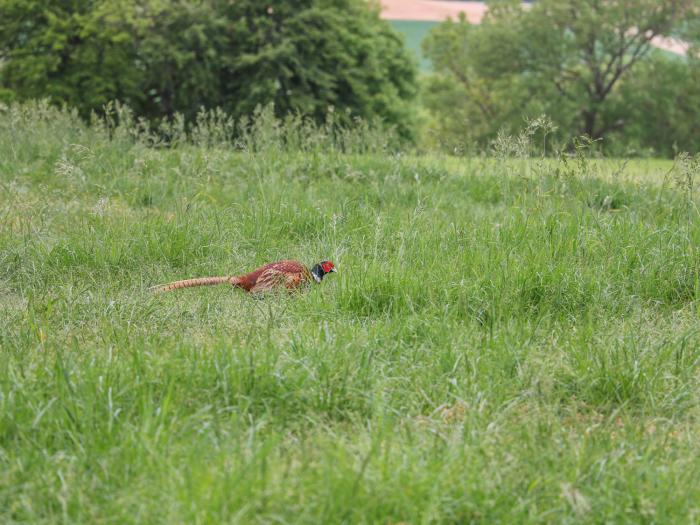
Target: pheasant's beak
(333, 270)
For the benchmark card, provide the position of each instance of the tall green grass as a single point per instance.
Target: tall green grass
(507, 340)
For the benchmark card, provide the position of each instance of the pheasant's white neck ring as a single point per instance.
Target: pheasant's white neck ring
(317, 273)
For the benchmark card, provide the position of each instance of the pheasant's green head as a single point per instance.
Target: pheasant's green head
(321, 269)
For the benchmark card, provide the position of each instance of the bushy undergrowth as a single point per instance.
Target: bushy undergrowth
(507, 340)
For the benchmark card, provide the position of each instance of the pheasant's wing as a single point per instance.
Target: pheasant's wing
(296, 280)
(273, 278)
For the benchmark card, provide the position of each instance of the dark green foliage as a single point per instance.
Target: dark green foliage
(315, 55)
(79, 52)
(163, 57)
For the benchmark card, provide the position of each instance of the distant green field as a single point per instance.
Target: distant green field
(415, 32)
(506, 341)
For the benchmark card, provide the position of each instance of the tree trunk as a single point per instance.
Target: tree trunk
(590, 116)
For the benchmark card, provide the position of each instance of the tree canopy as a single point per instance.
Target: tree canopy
(168, 56)
(566, 58)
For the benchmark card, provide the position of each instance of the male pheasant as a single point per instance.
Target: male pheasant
(288, 274)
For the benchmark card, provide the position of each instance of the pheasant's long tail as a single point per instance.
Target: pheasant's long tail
(191, 283)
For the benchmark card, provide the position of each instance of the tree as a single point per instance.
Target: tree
(180, 52)
(476, 90)
(563, 57)
(168, 56)
(660, 103)
(76, 51)
(312, 55)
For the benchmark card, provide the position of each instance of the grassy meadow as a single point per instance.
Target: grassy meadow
(506, 341)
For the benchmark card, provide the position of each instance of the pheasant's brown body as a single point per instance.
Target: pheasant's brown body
(281, 274)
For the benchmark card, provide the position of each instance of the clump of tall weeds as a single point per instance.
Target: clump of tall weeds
(262, 131)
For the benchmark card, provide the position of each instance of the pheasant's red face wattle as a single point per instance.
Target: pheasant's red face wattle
(328, 267)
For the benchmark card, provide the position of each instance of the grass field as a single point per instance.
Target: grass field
(506, 341)
(414, 32)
